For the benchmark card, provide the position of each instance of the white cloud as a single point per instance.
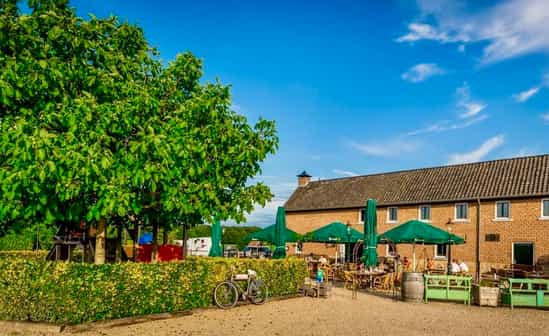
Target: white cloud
(422, 71)
(545, 117)
(344, 172)
(469, 107)
(388, 148)
(479, 153)
(446, 125)
(510, 29)
(525, 95)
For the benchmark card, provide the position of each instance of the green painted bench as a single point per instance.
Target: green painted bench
(525, 292)
(448, 287)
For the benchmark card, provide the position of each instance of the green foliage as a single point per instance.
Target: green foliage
(93, 125)
(235, 235)
(231, 234)
(77, 293)
(38, 255)
(37, 236)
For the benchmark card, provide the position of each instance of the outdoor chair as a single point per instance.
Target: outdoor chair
(383, 282)
(349, 280)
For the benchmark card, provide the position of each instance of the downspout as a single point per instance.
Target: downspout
(477, 274)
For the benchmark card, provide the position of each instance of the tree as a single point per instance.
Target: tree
(93, 126)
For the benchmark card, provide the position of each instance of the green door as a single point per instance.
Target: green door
(523, 253)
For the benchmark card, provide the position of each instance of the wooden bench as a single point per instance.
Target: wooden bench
(525, 292)
(448, 287)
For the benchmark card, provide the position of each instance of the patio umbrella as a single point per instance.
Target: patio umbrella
(416, 231)
(268, 235)
(280, 234)
(335, 232)
(370, 236)
(215, 250)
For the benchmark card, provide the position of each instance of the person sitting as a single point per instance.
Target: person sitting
(463, 267)
(429, 265)
(405, 263)
(454, 267)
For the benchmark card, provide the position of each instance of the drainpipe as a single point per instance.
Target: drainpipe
(477, 275)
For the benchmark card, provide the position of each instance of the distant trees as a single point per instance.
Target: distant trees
(94, 127)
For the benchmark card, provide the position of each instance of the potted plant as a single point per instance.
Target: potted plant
(486, 293)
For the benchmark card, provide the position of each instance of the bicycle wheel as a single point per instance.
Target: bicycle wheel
(225, 295)
(259, 292)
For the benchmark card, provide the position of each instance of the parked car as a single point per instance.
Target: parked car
(257, 251)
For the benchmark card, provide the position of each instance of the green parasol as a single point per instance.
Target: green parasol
(280, 234)
(416, 231)
(336, 232)
(370, 236)
(216, 250)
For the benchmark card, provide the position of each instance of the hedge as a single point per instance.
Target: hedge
(76, 293)
(39, 255)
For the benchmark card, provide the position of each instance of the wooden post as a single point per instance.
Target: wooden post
(184, 243)
(154, 254)
(100, 242)
(118, 257)
(164, 236)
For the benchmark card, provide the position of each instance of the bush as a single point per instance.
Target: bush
(39, 255)
(28, 238)
(77, 293)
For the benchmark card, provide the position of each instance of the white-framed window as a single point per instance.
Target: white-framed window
(545, 208)
(503, 210)
(425, 213)
(362, 216)
(392, 214)
(461, 212)
(440, 251)
(390, 250)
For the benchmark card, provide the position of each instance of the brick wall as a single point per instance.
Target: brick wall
(525, 225)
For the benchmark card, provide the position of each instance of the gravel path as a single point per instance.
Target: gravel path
(341, 315)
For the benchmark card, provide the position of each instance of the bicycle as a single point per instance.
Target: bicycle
(228, 292)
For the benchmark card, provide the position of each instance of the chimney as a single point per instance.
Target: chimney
(303, 179)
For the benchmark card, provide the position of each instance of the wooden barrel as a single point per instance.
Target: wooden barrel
(412, 286)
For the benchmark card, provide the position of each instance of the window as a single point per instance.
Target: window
(545, 208)
(502, 210)
(462, 212)
(425, 213)
(440, 251)
(392, 215)
(390, 250)
(362, 216)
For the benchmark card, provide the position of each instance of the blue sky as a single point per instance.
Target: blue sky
(362, 87)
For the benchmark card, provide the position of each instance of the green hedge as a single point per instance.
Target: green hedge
(77, 293)
(39, 255)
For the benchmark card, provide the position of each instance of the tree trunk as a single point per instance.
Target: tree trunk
(164, 236)
(119, 243)
(184, 245)
(100, 242)
(154, 254)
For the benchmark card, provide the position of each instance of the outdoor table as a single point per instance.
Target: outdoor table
(369, 274)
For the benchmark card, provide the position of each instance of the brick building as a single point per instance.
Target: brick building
(500, 207)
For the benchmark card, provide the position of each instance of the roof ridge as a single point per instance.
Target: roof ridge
(431, 168)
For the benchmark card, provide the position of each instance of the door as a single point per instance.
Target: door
(523, 253)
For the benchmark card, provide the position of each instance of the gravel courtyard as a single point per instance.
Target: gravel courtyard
(341, 315)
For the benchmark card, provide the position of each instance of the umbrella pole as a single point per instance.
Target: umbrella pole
(414, 256)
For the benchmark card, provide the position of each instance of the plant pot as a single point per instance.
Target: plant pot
(486, 296)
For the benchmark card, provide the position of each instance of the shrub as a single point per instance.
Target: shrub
(28, 238)
(39, 255)
(77, 293)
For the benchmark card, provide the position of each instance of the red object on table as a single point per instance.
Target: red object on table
(165, 253)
